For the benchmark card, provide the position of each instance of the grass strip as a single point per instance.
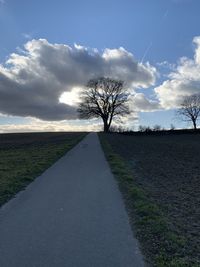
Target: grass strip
(161, 246)
(20, 166)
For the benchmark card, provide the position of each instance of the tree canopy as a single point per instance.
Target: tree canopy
(105, 98)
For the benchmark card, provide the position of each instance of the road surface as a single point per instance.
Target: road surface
(71, 216)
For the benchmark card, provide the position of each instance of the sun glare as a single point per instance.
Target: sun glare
(71, 98)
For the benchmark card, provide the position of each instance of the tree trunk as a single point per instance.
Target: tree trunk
(105, 126)
(110, 121)
(194, 124)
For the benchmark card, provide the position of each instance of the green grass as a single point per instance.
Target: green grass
(19, 165)
(161, 246)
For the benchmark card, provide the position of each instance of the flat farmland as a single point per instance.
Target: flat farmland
(167, 169)
(24, 156)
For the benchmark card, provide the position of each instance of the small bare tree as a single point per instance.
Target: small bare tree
(172, 127)
(190, 109)
(105, 98)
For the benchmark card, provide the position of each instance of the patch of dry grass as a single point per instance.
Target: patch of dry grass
(25, 156)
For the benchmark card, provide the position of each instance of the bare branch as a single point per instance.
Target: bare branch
(105, 98)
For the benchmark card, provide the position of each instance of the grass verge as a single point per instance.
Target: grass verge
(20, 165)
(160, 244)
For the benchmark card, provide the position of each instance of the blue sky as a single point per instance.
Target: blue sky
(170, 25)
(152, 30)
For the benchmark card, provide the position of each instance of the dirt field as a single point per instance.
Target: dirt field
(168, 168)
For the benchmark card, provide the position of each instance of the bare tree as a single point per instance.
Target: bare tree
(190, 109)
(105, 98)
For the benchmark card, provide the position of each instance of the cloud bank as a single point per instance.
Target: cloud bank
(36, 125)
(33, 80)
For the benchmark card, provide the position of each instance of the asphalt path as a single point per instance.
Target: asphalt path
(72, 215)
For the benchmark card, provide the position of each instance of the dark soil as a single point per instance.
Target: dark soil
(168, 168)
(19, 140)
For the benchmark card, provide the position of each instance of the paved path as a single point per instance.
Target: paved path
(71, 216)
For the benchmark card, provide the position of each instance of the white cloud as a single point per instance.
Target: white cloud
(139, 102)
(166, 65)
(33, 80)
(121, 64)
(27, 35)
(183, 81)
(196, 41)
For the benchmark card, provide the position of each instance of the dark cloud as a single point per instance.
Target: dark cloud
(32, 82)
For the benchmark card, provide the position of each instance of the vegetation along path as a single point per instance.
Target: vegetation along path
(72, 215)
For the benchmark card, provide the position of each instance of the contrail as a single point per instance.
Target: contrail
(146, 51)
(151, 43)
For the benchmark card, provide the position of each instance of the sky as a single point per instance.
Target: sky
(50, 49)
